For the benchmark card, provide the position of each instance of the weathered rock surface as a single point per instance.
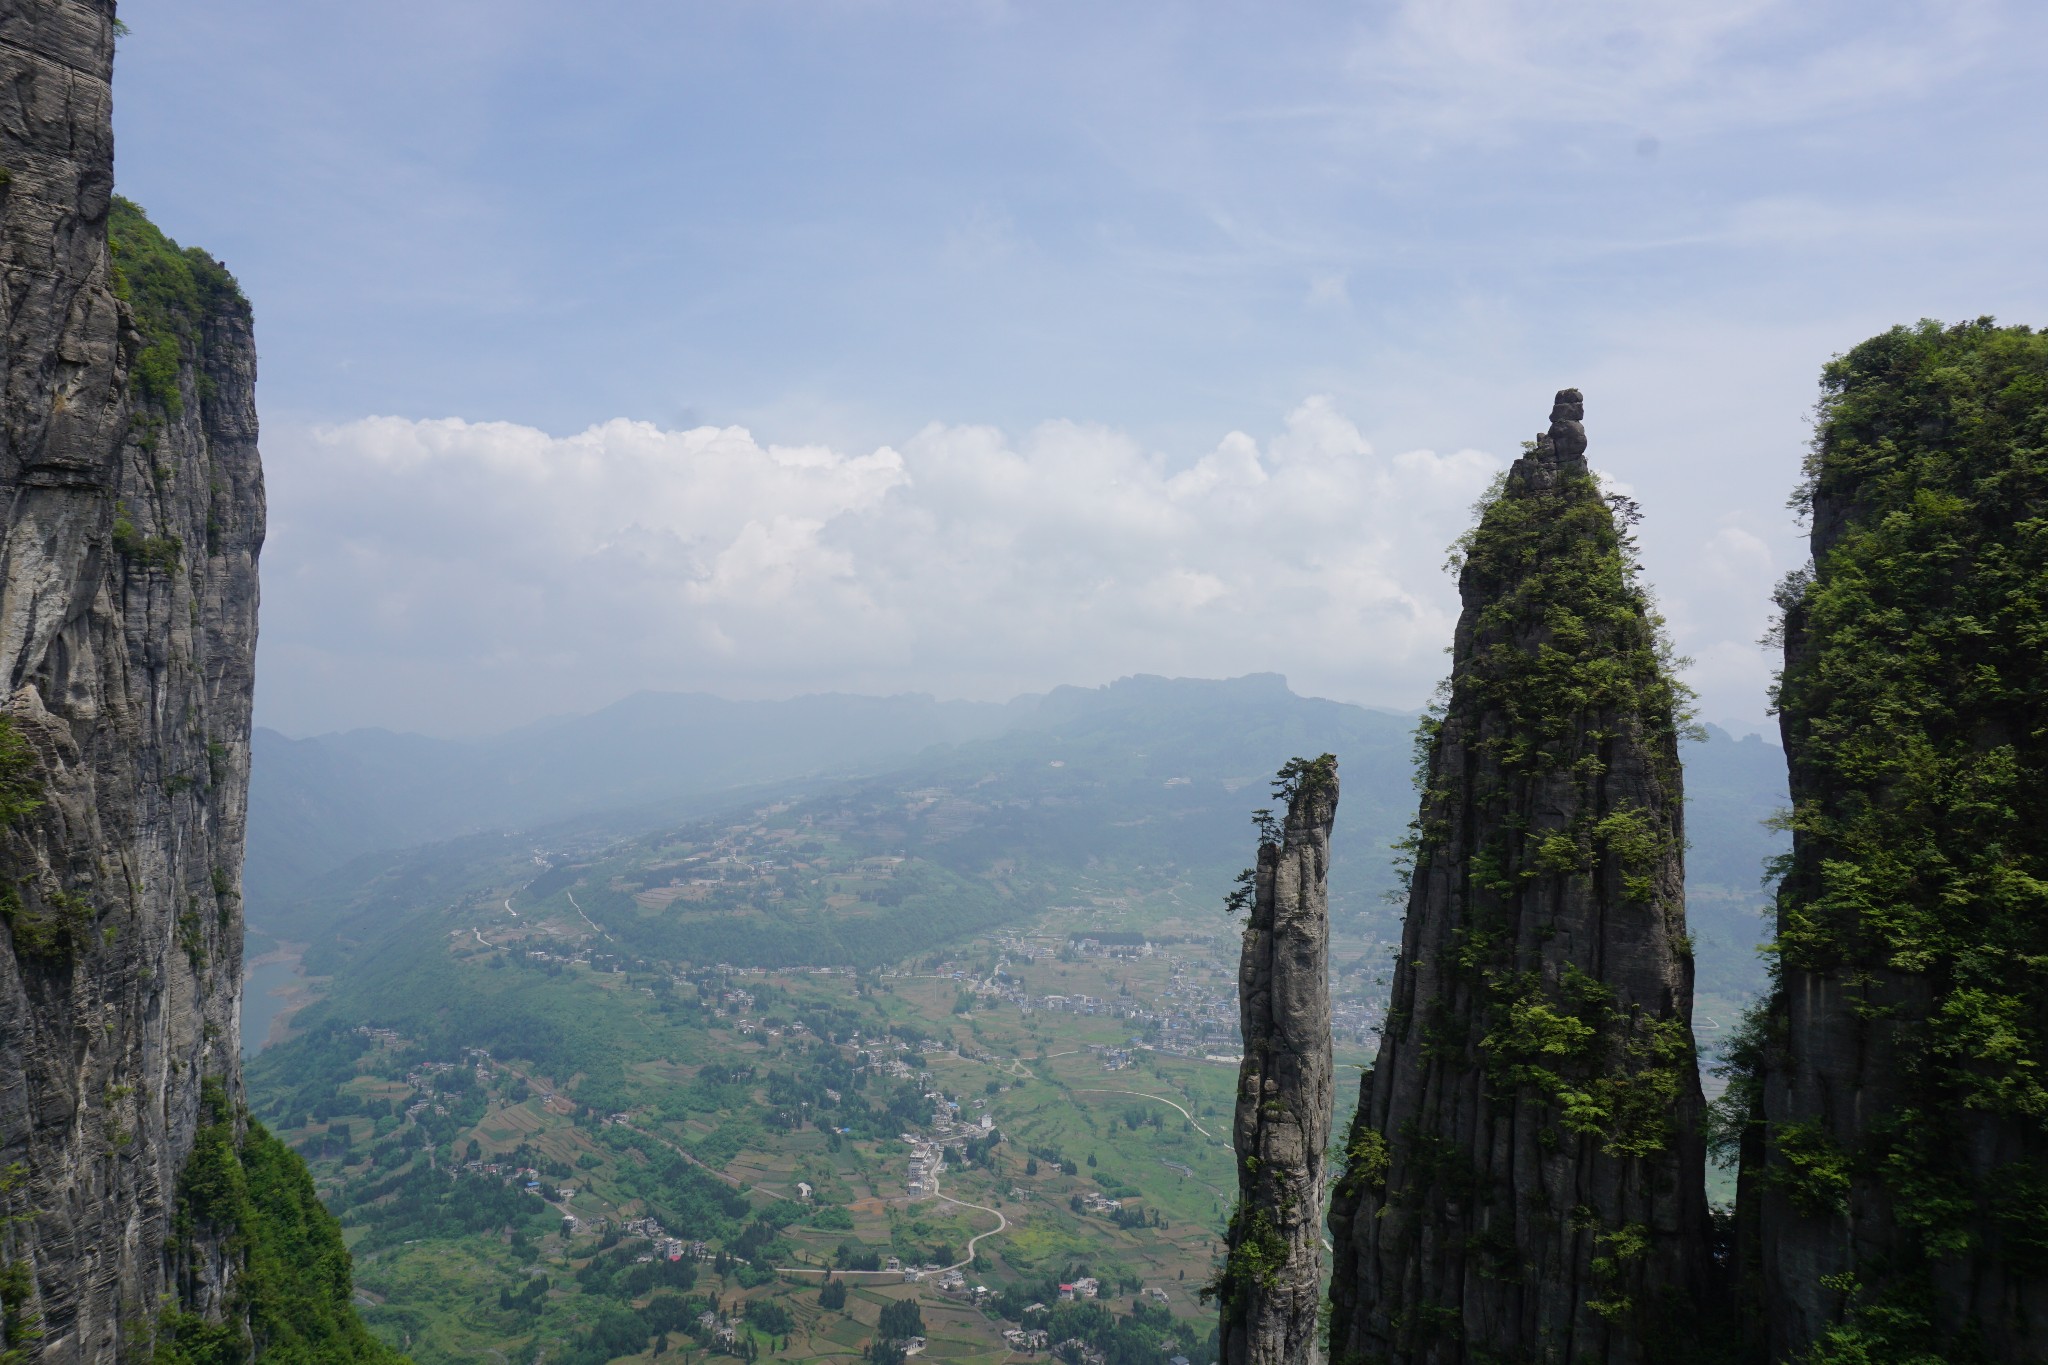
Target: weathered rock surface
(1272, 1283)
(1894, 1196)
(127, 628)
(1524, 1177)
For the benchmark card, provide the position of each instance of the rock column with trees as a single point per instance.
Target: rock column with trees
(1270, 1285)
(1894, 1201)
(1523, 1180)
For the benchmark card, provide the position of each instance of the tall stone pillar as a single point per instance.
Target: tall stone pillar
(1271, 1286)
(1523, 1179)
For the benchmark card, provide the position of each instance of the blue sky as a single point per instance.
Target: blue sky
(1052, 260)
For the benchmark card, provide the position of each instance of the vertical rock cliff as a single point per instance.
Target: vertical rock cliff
(1895, 1199)
(1271, 1283)
(1524, 1177)
(132, 521)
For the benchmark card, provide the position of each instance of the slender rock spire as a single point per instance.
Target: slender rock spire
(1271, 1283)
(1523, 1180)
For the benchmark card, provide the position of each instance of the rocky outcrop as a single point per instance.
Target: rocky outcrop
(132, 522)
(1894, 1200)
(1271, 1283)
(1523, 1180)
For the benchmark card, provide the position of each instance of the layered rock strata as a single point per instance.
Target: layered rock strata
(1271, 1284)
(128, 547)
(1523, 1179)
(1895, 1196)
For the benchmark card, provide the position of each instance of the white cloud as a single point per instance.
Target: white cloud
(455, 576)
(450, 575)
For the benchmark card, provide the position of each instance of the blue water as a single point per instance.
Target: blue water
(259, 1006)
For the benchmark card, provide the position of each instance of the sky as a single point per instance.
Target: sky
(973, 348)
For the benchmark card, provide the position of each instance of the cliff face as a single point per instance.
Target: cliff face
(1271, 1283)
(1524, 1177)
(1895, 1200)
(132, 523)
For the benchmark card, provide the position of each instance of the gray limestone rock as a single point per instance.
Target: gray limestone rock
(1523, 1180)
(127, 626)
(1271, 1284)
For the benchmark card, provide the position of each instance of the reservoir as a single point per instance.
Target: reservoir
(263, 999)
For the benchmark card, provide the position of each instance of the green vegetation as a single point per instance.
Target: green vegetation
(46, 923)
(293, 1283)
(1913, 694)
(1253, 1262)
(21, 785)
(1295, 776)
(586, 962)
(150, 552)
(1566, 657)
(611, 1075)
(1569, 632)
(173, 292)
(899, 1320)
(19, 1328)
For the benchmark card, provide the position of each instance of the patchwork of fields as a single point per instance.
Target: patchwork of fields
(546, 1145)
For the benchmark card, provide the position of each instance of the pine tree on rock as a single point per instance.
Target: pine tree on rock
(1523, 1180)
(1270, 1284)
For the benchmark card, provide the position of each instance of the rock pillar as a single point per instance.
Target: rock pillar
(1523, 1180)
(1271, 1285)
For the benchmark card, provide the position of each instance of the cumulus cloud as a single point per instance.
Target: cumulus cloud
(451, 575)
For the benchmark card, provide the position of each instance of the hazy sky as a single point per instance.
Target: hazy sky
(972, 348)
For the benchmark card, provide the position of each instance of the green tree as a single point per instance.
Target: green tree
(1915, 904)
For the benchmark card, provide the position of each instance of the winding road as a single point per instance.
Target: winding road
(586, 919)
(1162, 1099)
(1002, 1225)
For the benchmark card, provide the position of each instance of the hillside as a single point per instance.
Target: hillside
(1140, 789)
(317, 803)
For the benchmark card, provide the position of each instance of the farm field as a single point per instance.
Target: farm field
(545, 1145)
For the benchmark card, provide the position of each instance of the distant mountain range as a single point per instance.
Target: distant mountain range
(1146, 771)
(315, 804)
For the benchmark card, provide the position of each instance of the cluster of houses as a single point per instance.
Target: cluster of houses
(717, 1328)
(1071, 1004)
(950, 1133)
(666, 1247)
(525, 1175)
(1089, 946)
(927, 1163)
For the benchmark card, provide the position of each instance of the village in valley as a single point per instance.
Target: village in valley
(1013, 1145)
